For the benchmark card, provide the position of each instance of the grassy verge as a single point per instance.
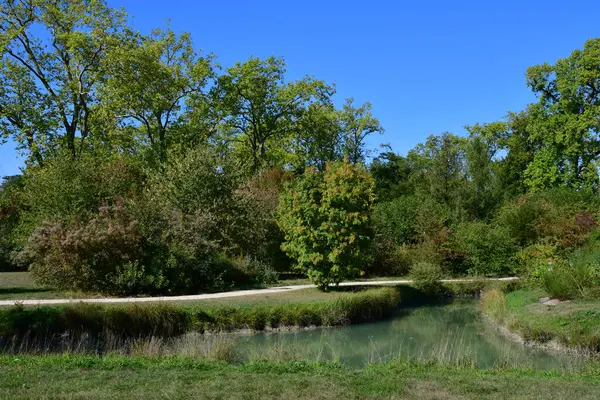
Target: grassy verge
(573, 325)
(165, 320)
(182, 378)
(20, 286)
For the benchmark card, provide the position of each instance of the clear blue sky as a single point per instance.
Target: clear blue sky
(426, 66)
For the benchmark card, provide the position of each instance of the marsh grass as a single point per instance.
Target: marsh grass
(69, 326)
(452, 350)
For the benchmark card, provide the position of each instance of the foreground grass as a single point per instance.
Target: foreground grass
(80, 377)
(574, 324)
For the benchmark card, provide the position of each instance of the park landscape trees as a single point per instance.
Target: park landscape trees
(152, 169)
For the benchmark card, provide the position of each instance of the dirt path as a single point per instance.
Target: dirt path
(237, 293)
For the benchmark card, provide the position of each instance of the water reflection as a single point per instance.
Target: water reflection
(451, 333)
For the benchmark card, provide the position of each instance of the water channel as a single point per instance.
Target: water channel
(453, 333)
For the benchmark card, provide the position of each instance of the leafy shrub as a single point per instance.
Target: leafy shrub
(560, 282)
(387, 258)
(259, 198)
(425, 252)
(248, 270)
(67, 189)
(577, 278)
(426, 277)
(397, 219)
(104, 254)
(488, 249)
(562, 216)
(534, 260)
(325, 219)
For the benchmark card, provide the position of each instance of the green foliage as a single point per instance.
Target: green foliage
(534, 260)
(391, 174)
(577, 277)
(103, 254)
(565, 124)
(249, 271)
(67, 189)
(397, 219)
(49, 82)
(259, 108)
(325, 219)
(426, 278)
(488, 249)
(563, 217)
(259, 198)
(149, 80)
(11, 206)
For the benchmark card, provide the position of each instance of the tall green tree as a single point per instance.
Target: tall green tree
(325, 219)
(150, 83)
(260, 110)
(52, 61)
(566, 120)
(356, 124)
(439, 168)
(317, 138)
(391, 173)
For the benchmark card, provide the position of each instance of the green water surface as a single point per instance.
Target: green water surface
(453, 333)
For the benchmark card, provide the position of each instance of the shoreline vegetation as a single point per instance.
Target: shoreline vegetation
(568, 326)
(168, 320)
(351, 306)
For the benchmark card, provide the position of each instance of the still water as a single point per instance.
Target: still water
(453, 333)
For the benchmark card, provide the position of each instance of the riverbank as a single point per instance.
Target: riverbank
(572, 326)
(36, 324)
(183, 378)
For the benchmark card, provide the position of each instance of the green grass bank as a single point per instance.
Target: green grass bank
(570, 325)
(166, 320)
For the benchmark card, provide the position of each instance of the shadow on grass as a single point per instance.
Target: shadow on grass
(23, 290)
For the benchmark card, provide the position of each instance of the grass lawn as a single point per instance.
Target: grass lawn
(78, 377)
(574, 323)
(21, 286)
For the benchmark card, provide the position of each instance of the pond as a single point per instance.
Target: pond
(452, 333)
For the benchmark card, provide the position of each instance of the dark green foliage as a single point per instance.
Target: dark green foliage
(397, 219)
(426, 277)
(11, 206)
(391, 174)
(488, 249)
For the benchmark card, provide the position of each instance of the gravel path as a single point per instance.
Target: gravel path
(236, 293)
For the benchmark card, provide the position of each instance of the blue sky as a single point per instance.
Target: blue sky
(426, 66)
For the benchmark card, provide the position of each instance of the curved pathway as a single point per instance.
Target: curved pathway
(208, 296)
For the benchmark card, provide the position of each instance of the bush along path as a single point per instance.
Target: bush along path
(221, 295)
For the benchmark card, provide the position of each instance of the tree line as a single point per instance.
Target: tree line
(152, 168)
